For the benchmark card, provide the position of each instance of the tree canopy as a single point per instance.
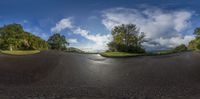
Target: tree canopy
(127, 38)
(58, 42)
(197, 32)
(180, 48)
(195, 44)
(13, 37)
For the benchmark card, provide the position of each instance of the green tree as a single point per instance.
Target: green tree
(58, 42)
(13, 37)
(180, 48)
(197, 32)
(127, 38)
(195, 44)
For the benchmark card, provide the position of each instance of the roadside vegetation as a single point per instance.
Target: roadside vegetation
(59, 42)
(127, 38)
(195, 44)
(178, 49)
(13, 37)
(74, 50)
(15, 40)
(119, 54)
(127, 42)
(29, 52)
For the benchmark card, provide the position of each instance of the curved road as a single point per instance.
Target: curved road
(60, 75)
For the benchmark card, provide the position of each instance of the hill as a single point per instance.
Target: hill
(75, 50)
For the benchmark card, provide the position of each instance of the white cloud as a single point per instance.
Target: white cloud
(99, 41)
(162, 43)
(62, 24)
(37, 31)
(181, 20)
(162, 28)
(72, 41)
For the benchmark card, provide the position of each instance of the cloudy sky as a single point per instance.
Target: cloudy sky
(87, 23)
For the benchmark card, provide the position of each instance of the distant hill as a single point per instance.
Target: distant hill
(75, 50)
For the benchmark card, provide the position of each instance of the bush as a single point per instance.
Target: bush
(126, 38)
(194, 45)
(180, 48)
(14, 37)
(123, 48)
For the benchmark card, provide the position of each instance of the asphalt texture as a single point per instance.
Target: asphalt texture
(61, 75)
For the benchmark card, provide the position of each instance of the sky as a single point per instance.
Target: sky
(87, 24)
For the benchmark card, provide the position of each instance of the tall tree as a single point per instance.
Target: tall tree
(127, 38)
(58, 42)
(180, 48)
(13, 37)
(195, 44)
(197, 32)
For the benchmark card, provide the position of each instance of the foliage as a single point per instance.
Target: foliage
(75, 50)
(29, 52)
(180, 48)
(197, 32)
(127, 38)
(13, 37)
(194, 44)
(119, 54)
(58, 42)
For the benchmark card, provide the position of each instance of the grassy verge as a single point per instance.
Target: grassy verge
(165, 52)
(20, 52)
(124, 54)
(119, 54)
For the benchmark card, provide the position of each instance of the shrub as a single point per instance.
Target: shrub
(180, 48)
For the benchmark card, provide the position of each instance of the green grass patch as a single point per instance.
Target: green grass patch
(21, 52)
(164, 52)
(125, 54)
(119, 54)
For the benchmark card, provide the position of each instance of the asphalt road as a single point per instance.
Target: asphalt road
(60, 75)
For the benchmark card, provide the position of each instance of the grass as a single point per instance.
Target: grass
(125, 54)
(119, 54)
(19, 52)
(164, 52)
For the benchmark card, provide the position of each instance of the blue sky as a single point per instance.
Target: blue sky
(87, 23)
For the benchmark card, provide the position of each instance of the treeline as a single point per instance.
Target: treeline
(13, 37)
(195, 44)
(128, 38)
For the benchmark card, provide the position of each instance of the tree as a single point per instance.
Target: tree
(127, 38)
(58, 42)
(197, 32)
(13, 37)
(180, 48)
(195, 44)
(75, 50)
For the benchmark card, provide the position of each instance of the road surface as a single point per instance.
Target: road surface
(60, 75)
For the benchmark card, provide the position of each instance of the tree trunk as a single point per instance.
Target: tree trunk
(11, 49)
